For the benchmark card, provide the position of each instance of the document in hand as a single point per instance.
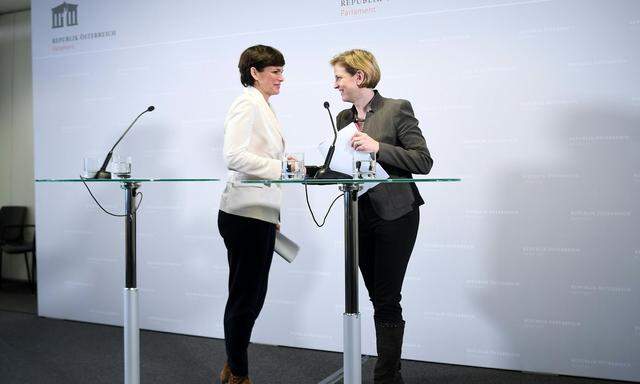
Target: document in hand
(285, 247)
(342, 160)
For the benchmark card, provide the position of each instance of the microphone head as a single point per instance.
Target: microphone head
(151, 108)
(326, 104)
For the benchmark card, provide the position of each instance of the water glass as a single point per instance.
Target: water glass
(121, 167)
(364, 165)
(293, 166)
(90, 166)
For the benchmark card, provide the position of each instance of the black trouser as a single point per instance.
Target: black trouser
(249, 245)
(385, 247)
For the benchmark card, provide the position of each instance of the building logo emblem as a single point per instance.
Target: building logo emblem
(366, 8)
(63, 39)
(64, 12)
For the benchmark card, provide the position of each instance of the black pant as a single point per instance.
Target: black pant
(385, 247)
(249, 245)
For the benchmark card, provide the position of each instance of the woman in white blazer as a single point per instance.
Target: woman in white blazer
(250, 213)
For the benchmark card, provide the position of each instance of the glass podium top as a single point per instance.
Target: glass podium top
(349, 181)
(254, 181)
(131, 180)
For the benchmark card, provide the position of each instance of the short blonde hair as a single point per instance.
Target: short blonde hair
(355, 60)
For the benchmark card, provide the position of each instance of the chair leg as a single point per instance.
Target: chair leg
(34, 269)
(26, 263)
(0, 268)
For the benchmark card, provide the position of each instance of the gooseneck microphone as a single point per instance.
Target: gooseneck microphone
(324, 172)
(103, 173)
(335, 131)
(332, 148)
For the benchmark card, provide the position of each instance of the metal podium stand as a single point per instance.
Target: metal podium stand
(131, 324)
(351, 317)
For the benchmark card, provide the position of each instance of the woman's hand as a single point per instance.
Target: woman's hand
(364, 143)
(292, 164)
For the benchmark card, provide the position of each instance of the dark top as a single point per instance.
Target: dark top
(403, 151)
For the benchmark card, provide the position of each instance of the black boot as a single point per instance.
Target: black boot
(389, 342)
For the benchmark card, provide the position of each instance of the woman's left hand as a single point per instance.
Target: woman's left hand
(364, 143)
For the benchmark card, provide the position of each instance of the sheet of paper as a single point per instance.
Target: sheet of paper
(342, 159)
(285, 247)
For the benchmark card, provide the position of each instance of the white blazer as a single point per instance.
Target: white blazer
(253, 149)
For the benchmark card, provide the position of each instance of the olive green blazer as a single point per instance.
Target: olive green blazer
(403, 152)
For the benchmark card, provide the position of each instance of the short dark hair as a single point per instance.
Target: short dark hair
(259, 57)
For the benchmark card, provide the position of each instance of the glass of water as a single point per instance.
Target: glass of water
(91, 167)
(121, 167)
(364, 165)
(293, 166)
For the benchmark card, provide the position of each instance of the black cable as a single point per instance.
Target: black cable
(96, 200)
(140, 202)
(101, 207)
(306, 193)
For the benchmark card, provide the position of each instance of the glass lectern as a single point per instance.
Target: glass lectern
(351, 317)
(131, 325)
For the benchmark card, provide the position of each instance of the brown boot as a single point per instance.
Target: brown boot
(225, 374)
(239, 379)
(226, 377)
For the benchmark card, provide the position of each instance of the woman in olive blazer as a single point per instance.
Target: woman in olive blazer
(388, 214)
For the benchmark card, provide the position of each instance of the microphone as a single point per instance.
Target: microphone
(324, 172)
(103, 173)
(335, 131)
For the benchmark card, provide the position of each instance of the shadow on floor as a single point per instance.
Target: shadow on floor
(17, 296)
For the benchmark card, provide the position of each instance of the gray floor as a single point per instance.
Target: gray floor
(40, 350)
(17, 297)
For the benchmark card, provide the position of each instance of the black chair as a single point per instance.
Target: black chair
(12, 238)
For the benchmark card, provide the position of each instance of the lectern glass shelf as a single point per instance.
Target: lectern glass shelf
(351, 317)
(348, 181)
(131, 325)
(131, 180)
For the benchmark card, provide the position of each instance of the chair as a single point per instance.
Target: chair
(12, 239)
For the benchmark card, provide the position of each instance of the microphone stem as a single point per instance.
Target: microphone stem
(335, 131)
(101, 174)
(327, 160)
(127, 130)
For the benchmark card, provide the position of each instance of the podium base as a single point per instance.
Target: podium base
(131, 337)
(352, 356)
(316, 172)
(102, 175)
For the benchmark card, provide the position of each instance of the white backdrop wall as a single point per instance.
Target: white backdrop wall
(531, 263)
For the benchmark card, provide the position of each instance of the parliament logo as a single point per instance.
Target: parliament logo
(361, 7)
(64, 13)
